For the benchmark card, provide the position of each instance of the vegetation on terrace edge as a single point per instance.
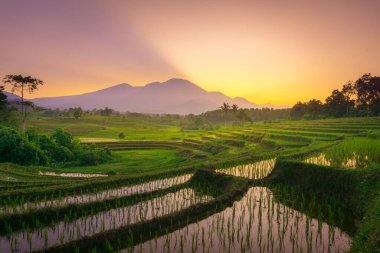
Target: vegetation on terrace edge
(58, 149)
(355, 190)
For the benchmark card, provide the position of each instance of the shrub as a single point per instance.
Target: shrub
(121, 135)
(14, 147)
(111, 173)
(92, 155)
(212, 148)
(55, 152)
(61, 148)
(63, 138)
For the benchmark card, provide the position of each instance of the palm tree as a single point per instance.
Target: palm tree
(22, 84)
(235, 108)
(3, 99)
(225, 107)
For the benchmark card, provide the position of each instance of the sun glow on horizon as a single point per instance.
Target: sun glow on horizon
(266, 52)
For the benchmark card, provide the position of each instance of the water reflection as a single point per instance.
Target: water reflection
(255, 170)
(75, 175)
(256, 223)
(94, 197)
(352, 161)
(64, 232)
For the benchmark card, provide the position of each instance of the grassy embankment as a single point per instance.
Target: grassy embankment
(355, 190)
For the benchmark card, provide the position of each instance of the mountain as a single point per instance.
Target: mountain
(175, 96)
(11, 97)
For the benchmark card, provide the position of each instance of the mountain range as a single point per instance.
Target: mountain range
(175, 96)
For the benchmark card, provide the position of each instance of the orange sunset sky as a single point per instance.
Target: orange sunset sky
(266, 51)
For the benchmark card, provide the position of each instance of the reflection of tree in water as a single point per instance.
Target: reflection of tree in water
(256, 223)
(353, 161)
(327, 209)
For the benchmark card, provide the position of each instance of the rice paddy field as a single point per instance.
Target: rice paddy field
(280, 186)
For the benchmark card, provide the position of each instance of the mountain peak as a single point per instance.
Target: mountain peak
(178, 80)
(122, 87)
(176, 96)
(119, 86)
(175, 84)
(175, 81)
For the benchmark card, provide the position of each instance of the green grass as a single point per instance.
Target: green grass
(157, 148)
(136, 161)
(355, 190)
(354, 152)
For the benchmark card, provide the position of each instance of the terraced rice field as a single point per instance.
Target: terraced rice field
(255, 223)
(192, 191)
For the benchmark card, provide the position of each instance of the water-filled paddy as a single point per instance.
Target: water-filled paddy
(351, 153)
(75, 175)
(64, 232)
(94, 197)
(256, 223)
(351, 162)
(255, 170)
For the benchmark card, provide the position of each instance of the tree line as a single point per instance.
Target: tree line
(235, 114)
(356, 99)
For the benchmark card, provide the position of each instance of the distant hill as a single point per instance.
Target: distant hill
(175, 96)
(12, 97)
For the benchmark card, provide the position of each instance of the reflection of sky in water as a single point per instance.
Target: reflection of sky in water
(255, 170)
(93, 197)
(75, 175)
(64, 232)
(352, 162)
(256, 223)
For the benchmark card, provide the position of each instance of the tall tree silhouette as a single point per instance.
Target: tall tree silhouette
(225, 108)
(235, 108)
(22, 84)
(338, 104)
(3, 99)
(368, 94)
(298, 111)
(314, 108)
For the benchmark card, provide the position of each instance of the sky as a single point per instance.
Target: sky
(277, 52)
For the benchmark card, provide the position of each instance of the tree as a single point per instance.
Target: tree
(298, 111)
(235, 108)
(3, 99)
(225, 107)
(368, 94)
(77, 112)
(106, 111)
(242, 115)
(63, 138)
(22, 83)
(314, 108)
(337, 104)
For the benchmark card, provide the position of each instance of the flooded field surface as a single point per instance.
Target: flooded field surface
(255, 170)
(75, 175)
(354, 161)
(352, 153)
(109, 194)
(256, 223)
(64, 232)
